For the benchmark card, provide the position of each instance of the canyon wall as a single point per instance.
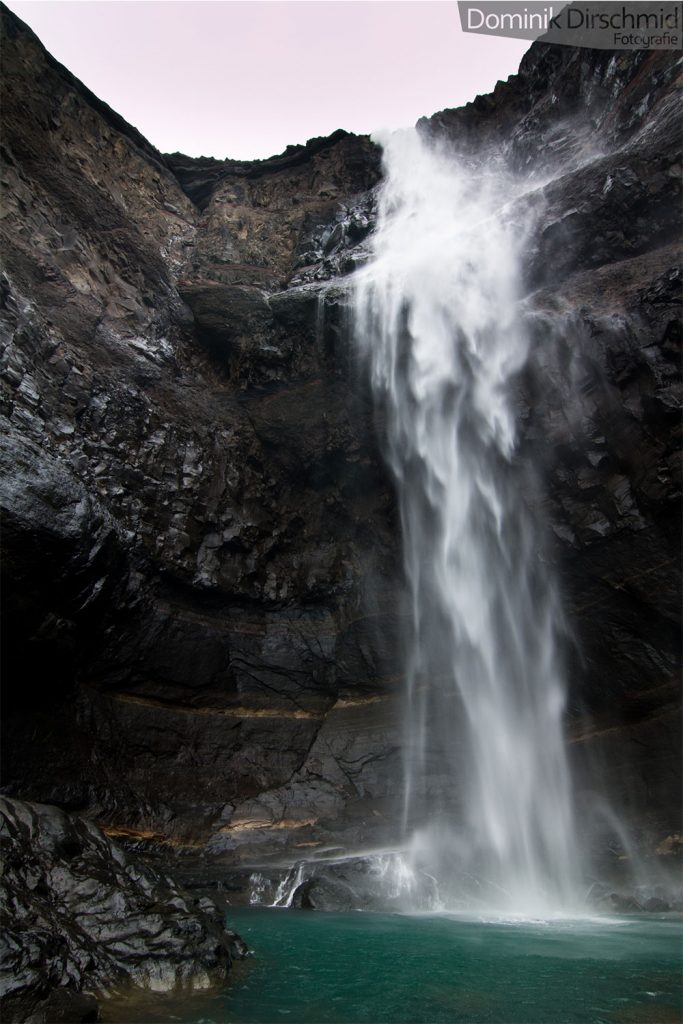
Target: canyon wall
(203, 598)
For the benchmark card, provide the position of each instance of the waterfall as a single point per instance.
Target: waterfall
(487, 795)
(289, 884)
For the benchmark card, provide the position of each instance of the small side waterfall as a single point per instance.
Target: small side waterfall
(487, 791)
(288, 886)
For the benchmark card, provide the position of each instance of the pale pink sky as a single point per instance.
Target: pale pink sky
(245, 79)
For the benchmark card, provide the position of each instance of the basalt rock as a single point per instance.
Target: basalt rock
(203, 575)
(80, 919)
(199, 506)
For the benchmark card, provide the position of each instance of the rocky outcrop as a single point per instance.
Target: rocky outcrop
(80, 920)
(203, 584)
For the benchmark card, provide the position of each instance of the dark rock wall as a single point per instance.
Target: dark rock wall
(199, 537)
(202, 571)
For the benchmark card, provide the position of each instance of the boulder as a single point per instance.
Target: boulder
(81, 919)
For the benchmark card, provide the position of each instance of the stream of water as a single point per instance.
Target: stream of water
(487, 787)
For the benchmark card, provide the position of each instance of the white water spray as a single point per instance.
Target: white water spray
(284, 895)
(487, 789)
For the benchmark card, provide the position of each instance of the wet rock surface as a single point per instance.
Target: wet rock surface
(359, 883)
(81, 920)
(222, 508)
(202, 570)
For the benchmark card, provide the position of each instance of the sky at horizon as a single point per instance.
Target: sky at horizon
(246, 79)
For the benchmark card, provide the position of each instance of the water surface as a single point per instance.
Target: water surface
(317, 968)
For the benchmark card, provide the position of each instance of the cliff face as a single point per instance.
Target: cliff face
(193, 502)
(203, 586)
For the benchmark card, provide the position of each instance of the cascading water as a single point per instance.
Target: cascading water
(288, 886)
(487, 788)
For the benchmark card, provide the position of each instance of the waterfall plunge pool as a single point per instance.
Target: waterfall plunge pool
(330, 968)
